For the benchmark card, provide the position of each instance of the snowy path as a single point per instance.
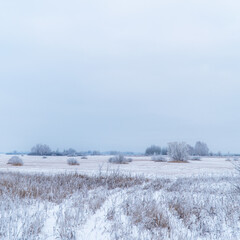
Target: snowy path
(50, 224)
(96, 227)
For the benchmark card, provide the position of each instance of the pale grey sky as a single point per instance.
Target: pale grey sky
(119, 75)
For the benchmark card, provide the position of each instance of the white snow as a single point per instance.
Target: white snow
(139, 165)
(197, 200)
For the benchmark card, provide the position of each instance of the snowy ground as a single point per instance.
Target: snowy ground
(183, 201)
(140, 165)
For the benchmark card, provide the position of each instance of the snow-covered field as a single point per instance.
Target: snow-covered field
(140, 165)
(101, 201)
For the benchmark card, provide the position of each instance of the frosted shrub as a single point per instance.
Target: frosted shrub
(120, 159)
(159, 158)
(15, 161)
(178, 151)
(72, 161)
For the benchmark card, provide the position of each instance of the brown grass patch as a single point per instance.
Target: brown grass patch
(57, 187)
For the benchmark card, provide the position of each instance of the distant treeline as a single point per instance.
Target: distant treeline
(45, 150)
(199, 149)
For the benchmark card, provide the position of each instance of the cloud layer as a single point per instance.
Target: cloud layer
(119, 74)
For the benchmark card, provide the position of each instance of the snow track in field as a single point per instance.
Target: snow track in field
(96, 227)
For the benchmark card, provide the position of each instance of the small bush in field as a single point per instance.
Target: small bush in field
(195, 158)
(159, 158)
(84, 157)
(15, 161)
(72, 161)
(120, 159)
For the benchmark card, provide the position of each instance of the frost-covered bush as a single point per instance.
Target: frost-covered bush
(120, 159)
(15, 161)
(178, 151)
(72, 161)
(159, 158)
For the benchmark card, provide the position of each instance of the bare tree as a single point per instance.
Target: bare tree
(191, 150)
(178, 151)
(201, 149)
(96, 153)
(164, 151)
(153, 150)
(70, 152)
(41, 149)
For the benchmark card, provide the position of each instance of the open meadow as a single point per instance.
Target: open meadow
(119, 120)
(48, 199)
(139, 165)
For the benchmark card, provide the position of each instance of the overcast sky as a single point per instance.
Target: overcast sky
(119, 75)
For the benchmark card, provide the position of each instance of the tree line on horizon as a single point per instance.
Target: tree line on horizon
(200, 149)
(45, 150)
